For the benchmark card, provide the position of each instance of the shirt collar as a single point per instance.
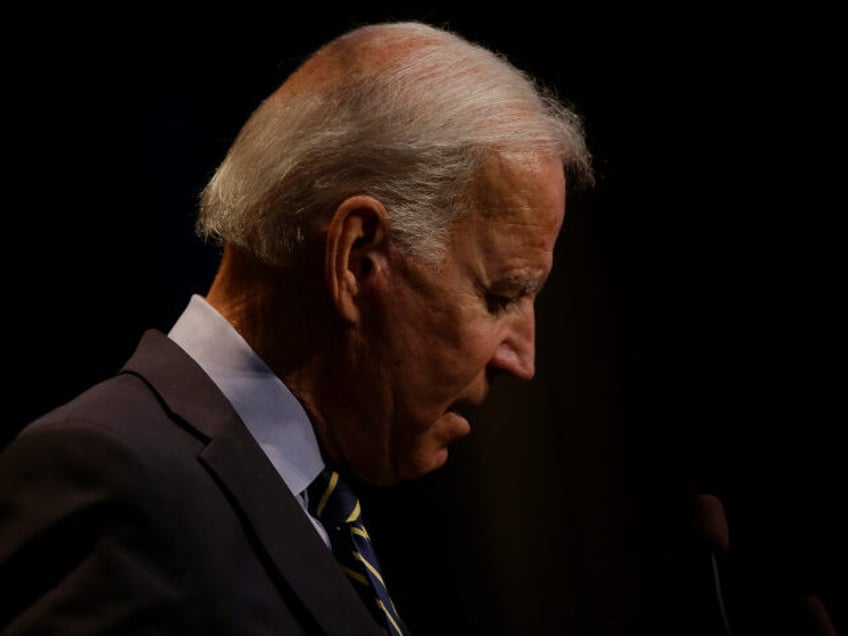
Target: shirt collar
(269, 410)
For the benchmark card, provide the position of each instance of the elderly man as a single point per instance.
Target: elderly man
(386, 217)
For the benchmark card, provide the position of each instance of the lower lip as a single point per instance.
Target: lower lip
(461, 423)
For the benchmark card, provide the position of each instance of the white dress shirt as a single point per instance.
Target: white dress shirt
(272, 414)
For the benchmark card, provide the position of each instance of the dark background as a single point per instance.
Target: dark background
(689, 341)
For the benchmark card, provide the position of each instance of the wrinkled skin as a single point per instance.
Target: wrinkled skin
(432, 339)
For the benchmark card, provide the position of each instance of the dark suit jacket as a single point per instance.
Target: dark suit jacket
(144, 506)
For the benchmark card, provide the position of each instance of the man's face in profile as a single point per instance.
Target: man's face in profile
(448, 330)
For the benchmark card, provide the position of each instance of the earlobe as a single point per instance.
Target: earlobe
(356, 243)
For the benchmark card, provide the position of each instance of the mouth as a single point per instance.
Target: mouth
(462, 409)
(466, 407)
(457, 424)
(458, 409)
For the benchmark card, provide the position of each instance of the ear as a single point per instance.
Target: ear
(356, 249)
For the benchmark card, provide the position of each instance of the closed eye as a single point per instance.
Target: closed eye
(509, 292)
(497, 303)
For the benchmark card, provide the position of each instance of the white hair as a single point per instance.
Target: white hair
(404, 112)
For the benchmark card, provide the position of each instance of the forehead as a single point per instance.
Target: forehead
(521, 189)
(518, 209)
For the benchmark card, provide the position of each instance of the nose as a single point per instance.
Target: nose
(516, 352)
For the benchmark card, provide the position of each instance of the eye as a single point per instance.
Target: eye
(498, 303)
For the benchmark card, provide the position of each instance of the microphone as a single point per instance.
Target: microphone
(815, 619)
(711, 521)
(811, 614)
(711, 525)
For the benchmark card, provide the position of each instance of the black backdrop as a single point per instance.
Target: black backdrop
(689, 340)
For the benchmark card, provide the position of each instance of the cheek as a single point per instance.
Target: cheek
(442, 352)
(436, 377)
(461, 361)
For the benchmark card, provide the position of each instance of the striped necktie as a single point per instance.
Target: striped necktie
(337, 508)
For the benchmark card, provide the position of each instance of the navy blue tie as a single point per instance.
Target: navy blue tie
(332, 502)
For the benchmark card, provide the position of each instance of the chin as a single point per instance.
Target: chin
(428, 452)
(423, 463)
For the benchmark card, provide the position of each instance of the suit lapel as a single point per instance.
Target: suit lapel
(253, 486)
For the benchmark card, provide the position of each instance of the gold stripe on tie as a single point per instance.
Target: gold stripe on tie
(362, 532)
(370, 567)
(356, 576)
(389, 616)
(334, 478)
(354, 515)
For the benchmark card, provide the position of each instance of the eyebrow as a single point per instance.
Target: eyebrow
(520, 284)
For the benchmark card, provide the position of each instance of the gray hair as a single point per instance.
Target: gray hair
(404, 112)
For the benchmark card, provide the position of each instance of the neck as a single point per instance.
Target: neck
(288, 320)
(282, 316)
